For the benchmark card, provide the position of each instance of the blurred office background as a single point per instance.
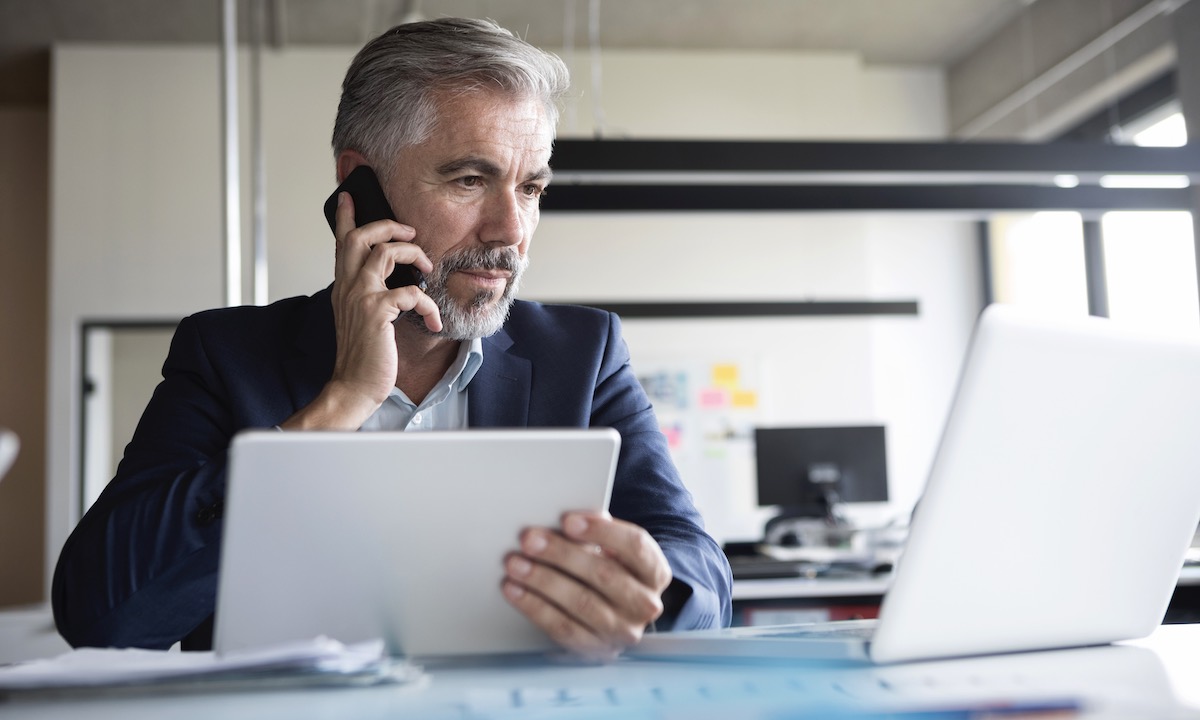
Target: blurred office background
(111, 185)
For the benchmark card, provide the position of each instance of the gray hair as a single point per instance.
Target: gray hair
(389, 93)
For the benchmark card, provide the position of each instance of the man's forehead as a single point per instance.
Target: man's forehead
(493, 153)
(484, 109)
(493, 137)
(483, 164)
(483, 131)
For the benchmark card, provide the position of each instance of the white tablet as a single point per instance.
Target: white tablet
(400, 536)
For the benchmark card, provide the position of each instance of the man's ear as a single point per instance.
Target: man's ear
(347, 160)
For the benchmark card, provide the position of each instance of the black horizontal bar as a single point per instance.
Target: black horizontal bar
(568, 197)
(127, 324)
(755, 309)
(783, 156)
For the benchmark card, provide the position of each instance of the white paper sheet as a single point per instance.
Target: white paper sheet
(321, 660)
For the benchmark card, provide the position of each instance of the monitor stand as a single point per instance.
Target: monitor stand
(816, 524)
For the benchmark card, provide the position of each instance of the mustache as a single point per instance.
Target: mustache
(480, 258)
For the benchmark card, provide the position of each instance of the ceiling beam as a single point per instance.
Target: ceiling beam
(591, 158)
(640, 175)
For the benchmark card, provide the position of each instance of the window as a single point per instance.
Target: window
(1150, 272)
(1150, 264)
(1037, 261)
(1163, 128)
(1150, 257)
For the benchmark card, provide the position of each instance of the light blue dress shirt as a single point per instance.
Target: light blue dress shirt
(444, 408)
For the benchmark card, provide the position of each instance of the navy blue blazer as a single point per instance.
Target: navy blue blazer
(140, 569)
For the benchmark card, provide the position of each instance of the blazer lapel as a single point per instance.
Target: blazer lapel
(498, 396)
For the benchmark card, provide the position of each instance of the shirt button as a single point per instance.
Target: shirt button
(417, 419)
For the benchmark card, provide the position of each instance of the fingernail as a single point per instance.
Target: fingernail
(575, 525)
(519, 566)
(341, 198)
(535, 543)
(513, 591)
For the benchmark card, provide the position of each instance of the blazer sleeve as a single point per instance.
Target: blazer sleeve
(649, 492)
(140, 568)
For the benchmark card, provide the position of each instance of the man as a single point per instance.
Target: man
(457, 118)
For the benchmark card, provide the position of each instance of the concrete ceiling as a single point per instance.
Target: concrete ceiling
(928, 32)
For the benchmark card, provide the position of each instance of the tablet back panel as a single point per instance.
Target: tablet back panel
(394, 535)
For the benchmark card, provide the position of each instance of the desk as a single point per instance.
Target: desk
(784, 600)
(790, 600)
(1151, 678)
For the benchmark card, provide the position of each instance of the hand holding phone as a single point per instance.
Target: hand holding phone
(370, 204)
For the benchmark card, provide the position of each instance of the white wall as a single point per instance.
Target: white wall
(755, 95)
(136, 221)
(897, 371)
(644, 95)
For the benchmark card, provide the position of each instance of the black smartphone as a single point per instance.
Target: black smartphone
(370, 204)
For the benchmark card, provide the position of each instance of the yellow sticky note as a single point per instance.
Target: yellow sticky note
(725, 376)
(745, 399)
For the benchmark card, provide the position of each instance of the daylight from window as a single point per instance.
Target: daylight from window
(1150, 263)
(1168, 132)
(1038, 261)
(1150, 257)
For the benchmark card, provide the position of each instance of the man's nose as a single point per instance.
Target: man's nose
(504, 221)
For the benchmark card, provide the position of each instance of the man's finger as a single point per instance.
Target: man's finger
(343, 216)
(559, 626)
(384, 257)
(356, 246)
(635, 601)
(342, 225)
(579, 600)
(411, 297)
(629, 544)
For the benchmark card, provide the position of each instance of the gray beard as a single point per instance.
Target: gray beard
(481, 315)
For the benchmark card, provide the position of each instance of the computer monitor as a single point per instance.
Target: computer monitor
(810, 470)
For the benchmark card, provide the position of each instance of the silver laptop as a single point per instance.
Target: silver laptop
(1058, 510)
(399, 536)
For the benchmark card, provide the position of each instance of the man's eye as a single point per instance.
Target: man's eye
(535, 191)
(470, 181)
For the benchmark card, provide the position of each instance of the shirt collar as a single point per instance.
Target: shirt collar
(458, 376)
(470, 358)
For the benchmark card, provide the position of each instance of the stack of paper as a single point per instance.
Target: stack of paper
(317, 662)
